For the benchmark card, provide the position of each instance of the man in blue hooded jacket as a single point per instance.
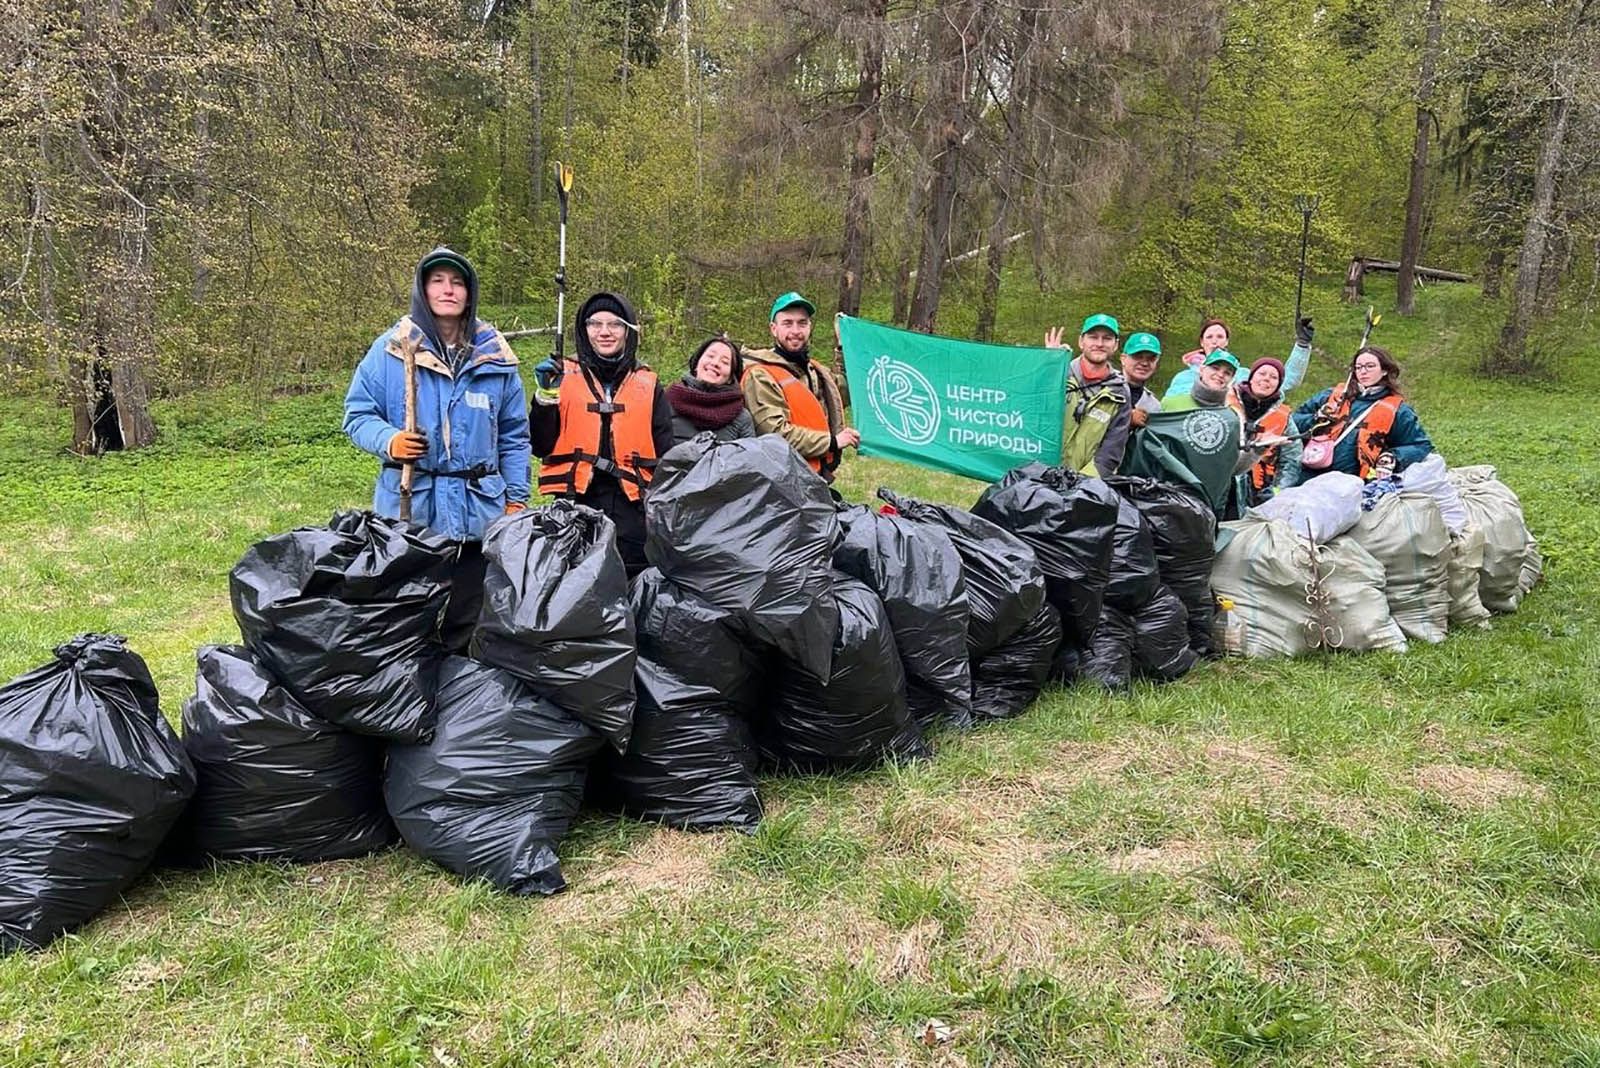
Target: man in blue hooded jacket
(470, 448)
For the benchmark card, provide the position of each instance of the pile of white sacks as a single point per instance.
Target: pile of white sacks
(1311, 569)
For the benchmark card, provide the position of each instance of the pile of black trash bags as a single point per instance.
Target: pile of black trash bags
(778, 628)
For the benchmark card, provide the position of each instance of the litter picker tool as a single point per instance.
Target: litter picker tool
(1306, 205)
(563, 188)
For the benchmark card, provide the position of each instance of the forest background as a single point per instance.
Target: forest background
(206, 192)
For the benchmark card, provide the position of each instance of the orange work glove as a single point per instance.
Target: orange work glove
(513, 507)
(408, 445)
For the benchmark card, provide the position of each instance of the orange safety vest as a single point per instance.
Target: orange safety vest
(805, 410)
(568, 470)
(1372, 436)
(1265, 471)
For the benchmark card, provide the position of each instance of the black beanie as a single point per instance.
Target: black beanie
(608, 366)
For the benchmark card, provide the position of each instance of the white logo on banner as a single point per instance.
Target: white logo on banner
(903, 400)
(1207, 431)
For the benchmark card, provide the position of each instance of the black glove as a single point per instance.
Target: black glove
(1303, 331)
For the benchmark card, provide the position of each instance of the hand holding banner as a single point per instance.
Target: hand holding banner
(966, 407)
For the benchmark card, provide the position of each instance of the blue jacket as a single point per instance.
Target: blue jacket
(1407, 440)
(1294, 371)
(475, 419)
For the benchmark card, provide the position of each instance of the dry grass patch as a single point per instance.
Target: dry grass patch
(1179, 856)
(1468, 787)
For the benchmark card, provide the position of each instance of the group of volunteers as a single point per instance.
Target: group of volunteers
(598, 423)
(1362, 426)
(600, 420)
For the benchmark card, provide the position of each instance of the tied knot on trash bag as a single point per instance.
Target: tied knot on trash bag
(556, 613)
(346, 616)
(92, 778)
(747, 526)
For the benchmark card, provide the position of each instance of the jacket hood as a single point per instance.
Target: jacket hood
(422, 315)
(607, 367)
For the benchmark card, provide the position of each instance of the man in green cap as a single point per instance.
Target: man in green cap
(1098, 408)
(1140, 355)
(792, 395)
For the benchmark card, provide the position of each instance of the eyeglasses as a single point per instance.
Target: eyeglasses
(605, 324)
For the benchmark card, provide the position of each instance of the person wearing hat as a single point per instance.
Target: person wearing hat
(1214, 335)
(470, 451)
(1140, 355)
(709, 398)
(792, 395)
(1212, 388)
(1099, 412)
(600, 425)
(1266, 420)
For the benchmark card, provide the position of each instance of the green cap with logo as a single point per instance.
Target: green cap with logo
(1101, 319)
(1223, 356)
(789, 300)
(1142, 342)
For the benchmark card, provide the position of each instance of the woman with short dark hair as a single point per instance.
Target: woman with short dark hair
(1363, 426)
(709, 398)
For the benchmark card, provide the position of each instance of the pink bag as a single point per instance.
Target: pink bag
(1317, 453)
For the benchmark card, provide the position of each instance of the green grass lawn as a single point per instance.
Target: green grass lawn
(1340, 860)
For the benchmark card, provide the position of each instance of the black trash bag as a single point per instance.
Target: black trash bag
(1067, 519)
(1004, 584)
(1068, 663)
(1135, 572)
(1185, 531)
(747, 527)
(91, 780)
(1007, 679)
(1108, 661)
(916, 572)
(555, 612)
(497, 788)
(692, 760)
(274, 782)
(856, 719)
(347, 617)
(1161, 638)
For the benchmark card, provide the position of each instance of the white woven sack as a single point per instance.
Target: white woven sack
(1496, 510)
(1405, 532)
(1264, 571)
(1330, 503)
(1466, 561)
(1431, 477)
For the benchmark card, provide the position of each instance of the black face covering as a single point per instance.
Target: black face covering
(608, 368)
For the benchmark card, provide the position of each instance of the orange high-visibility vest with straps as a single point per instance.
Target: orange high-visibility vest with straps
(1265, 471)
(805, 410)
(569, 469)
(1372, 436)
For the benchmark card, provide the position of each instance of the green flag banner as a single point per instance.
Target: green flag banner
(966, 407)
(1197, 448)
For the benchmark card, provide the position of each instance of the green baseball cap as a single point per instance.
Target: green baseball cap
(789, 300)
(1142, 342)
(1101, 319)
(1223, 356)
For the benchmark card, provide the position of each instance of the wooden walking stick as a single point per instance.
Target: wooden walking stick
(408, 469)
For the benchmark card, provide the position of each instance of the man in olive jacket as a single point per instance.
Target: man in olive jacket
(792, 395)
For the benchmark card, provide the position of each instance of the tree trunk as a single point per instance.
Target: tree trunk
(535, 114)
(1411, 240)
(957, 34)
(858, 205)
(1494, 269)
(904, 272)
(1018, 121)
(1511, 354)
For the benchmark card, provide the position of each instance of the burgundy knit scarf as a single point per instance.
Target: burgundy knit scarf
(707, 408)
